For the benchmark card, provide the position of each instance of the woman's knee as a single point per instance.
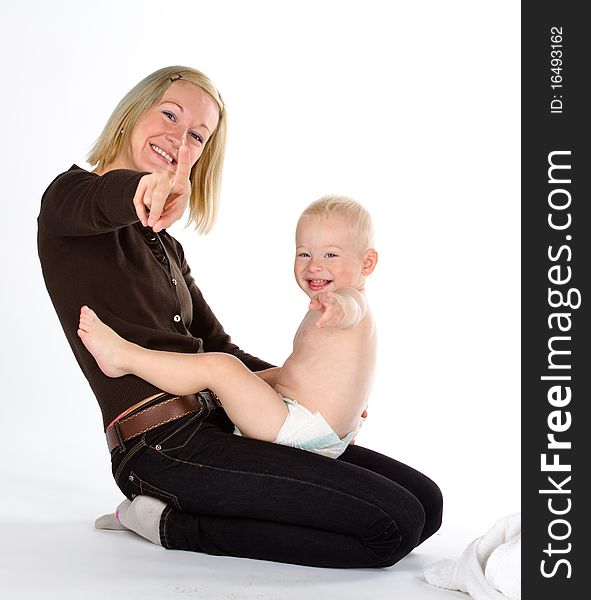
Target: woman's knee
(433, 506)
(415, 521)
(401, 535)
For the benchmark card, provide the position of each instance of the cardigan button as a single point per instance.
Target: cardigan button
(173, 281)
(176, 318)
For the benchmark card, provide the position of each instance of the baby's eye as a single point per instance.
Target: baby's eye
(303, 255)
(196, 137)
(169, 115)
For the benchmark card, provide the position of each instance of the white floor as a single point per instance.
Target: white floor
(51, 550)
(71, 560)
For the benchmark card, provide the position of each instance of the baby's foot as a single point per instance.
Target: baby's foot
(102, 342)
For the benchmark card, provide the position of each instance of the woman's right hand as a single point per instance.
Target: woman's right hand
(165, 195)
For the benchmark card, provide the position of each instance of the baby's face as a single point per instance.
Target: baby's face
(328, 257)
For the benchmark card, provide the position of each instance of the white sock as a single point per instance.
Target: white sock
(110, 521)
(142, 516)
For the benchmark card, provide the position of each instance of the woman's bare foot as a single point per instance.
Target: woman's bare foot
(102, 342)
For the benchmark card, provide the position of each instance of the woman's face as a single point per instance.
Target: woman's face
(185, 114)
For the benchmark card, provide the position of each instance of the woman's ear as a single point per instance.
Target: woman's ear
(370, 261)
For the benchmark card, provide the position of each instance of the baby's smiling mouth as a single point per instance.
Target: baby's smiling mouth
(318, 284)
(162, 153)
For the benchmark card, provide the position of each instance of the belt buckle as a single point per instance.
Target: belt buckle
(120, 440)
(209, 399)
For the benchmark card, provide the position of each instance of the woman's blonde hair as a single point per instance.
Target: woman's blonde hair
(357, 217)
(206, 174)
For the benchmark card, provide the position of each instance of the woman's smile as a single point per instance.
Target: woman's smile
(165, 155)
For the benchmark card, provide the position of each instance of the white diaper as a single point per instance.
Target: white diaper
(309, 431)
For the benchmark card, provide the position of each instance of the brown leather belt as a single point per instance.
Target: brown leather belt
(155, 411)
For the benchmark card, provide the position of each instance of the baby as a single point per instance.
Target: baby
(314, 401)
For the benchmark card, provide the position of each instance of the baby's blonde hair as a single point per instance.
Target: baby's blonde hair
(206, 174)
(357, 217)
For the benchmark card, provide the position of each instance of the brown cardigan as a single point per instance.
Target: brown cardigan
(94, 251)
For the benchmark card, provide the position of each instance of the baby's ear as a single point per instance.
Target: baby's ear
(370, 261)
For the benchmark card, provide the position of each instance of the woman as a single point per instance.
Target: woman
(102, 242)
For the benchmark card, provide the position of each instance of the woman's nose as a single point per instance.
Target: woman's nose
(176, 137)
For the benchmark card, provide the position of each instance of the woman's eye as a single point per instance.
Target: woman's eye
(196, 137)
(169, 115)
(303, 255)
(330, 255)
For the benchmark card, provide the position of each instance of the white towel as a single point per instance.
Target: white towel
(489, 568)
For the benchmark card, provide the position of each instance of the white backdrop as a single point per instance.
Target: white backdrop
(412, 108)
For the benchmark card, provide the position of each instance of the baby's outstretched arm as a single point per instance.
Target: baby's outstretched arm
(343, 309)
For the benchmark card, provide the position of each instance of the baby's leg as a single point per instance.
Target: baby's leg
(257, 410)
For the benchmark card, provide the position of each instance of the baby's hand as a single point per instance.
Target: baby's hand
(361, 422)
(333, 310)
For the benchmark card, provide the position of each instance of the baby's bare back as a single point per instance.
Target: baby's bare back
(331, 370)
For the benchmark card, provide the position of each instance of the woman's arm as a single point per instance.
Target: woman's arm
(79, 203)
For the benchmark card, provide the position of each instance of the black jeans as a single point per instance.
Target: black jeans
(228, 495)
